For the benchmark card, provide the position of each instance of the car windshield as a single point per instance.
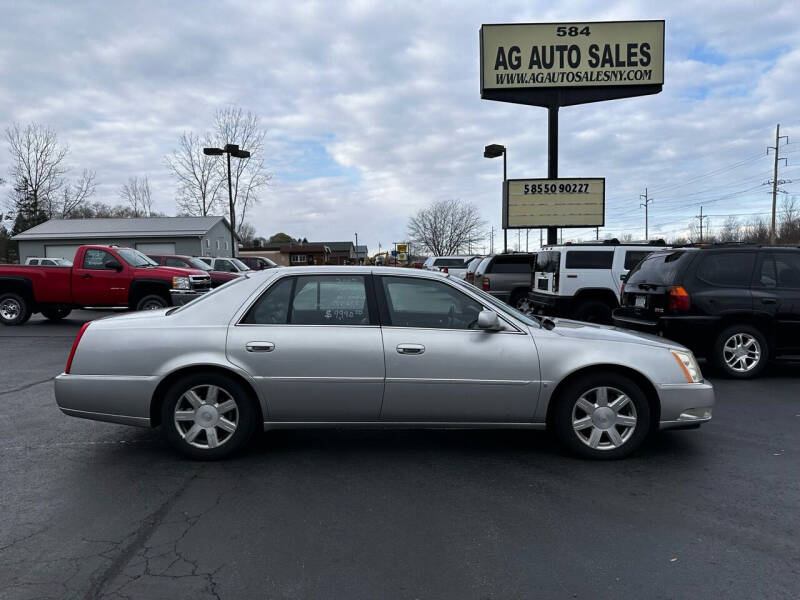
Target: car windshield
(497, 303)
(198, 264)
(240, 264)
(135, 258)
(660, 268)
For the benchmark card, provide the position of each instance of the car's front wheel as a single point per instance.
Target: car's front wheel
(208, 417)
(152, 302)
(603, 416)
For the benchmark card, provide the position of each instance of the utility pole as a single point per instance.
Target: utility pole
(491, 241)
(527, 233)
(519, 240)
(646, 204)
(597, 234)
(778, 137)
(701, 217)
(541, 241)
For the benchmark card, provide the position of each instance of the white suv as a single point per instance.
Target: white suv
(582, 281)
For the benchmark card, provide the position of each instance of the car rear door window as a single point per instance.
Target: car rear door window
(513, 264)
(634, 257)
(730, 269)
(587, 259)
(787, 267)
(423, 303)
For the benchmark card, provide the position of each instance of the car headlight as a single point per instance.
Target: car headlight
(181, 283)
(688, 365)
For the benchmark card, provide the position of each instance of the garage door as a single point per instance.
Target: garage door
(61, 251)
(157, 248)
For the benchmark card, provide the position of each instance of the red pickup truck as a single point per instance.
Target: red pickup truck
(100, 276)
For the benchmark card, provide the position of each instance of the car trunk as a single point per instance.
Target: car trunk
(653, 288)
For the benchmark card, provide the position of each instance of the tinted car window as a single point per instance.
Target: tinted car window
(175, 262)
(633, 257)
(272, 308)
(513, 264)
(583, 259)
(35, 261)
(96, 259)
(456, 263)
(429, 304)
(224, 265)
(732, 269)
(660, 268)
(787, 267)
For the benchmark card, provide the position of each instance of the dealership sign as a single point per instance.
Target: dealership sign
(554, 203)
(616, 59)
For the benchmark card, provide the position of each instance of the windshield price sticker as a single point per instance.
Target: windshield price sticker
(554, 203)
(538, 55)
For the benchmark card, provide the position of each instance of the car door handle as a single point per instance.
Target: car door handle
(410, 348)
(768, 301)
(259, 346)
(86, 276)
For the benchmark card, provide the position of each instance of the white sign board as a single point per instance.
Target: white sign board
(529, 203)
(581, 54)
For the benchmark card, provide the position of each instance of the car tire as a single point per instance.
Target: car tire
(589, 432)
(741, 351)
(519, 300)
(593, 311)
(56, 314)
(14, 309)
(208, 417)
(152, 302)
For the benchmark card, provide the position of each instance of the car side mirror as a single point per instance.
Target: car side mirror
(488, 319)
(114, 265)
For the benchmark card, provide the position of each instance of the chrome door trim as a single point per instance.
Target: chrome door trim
(402, 425)
(469, 381)
(299, 379)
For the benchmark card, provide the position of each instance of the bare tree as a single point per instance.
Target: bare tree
(730, 230)
(446, 227)
(247, 233)
(248, 175)
(38, 169)
(199, 176)
(136, 194)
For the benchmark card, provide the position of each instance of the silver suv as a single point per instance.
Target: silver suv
(507, 277)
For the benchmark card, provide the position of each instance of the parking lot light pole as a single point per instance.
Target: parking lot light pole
(229, 150)
(493, 151)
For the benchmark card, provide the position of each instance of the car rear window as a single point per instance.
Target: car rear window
(548, 261)
(660, 268)
(632, 258)
(513, 264)
(730, 269)
(588, 259)
(457, 263)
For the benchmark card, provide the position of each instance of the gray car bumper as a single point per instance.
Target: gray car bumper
(181, 297)
(685, 405)
(124, 400)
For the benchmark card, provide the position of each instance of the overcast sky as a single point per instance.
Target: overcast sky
(373, 109)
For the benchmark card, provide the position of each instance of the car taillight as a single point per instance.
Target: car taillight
(485, 284)
(75, 346)
(678, 298)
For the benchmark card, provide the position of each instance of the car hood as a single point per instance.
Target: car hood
(590, 331)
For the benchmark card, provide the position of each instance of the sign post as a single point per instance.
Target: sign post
(563, 64)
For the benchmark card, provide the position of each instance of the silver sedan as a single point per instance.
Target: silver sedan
(375, 347)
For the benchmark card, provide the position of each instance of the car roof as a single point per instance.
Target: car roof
(356, 270)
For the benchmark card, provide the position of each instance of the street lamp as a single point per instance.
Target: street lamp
(229, 150)
(493, 151)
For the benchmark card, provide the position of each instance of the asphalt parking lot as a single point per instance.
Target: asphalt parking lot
(97, 510)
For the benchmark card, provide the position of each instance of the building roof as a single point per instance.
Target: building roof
(361, 250)
(64, 229)
(337, 246)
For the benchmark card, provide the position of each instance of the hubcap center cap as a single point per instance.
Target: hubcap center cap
(604, 418)
(206, 416)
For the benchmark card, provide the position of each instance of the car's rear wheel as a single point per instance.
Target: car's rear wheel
(152, 302)
(14, 309)
(602, 416)
(519, 300)
(593, 311)
(56, 314)
(741, 351)
(208, 417)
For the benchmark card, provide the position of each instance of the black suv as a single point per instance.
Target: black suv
(737, 305)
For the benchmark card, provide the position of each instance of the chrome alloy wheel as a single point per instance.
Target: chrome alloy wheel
(206, 416)
(10, 309)
(604, 418)
(152, 305)
(741, 352)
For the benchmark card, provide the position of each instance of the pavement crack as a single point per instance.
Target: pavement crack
(26, 386)
(146, 529)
